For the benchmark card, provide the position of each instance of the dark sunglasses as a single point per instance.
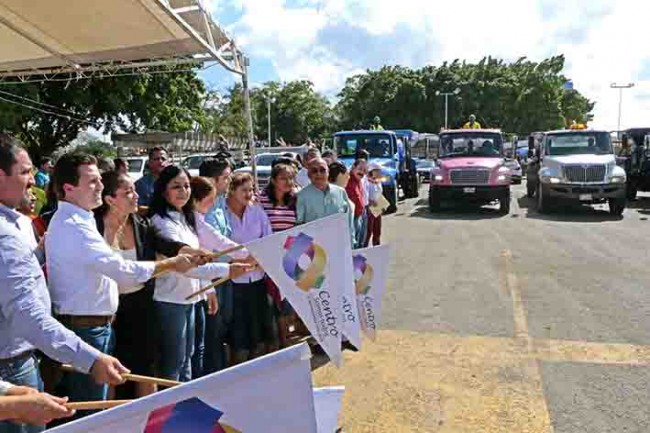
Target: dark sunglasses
(317, 170)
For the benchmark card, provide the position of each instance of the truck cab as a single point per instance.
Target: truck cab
(470, 166)
(635, 159)
(383, 148)
(577, 165)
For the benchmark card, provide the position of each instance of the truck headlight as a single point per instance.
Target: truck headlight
(502, 178)
(551, 179)
(438, 178)
(617, 179)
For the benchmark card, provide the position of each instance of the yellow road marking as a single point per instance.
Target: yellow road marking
(433, 382)
(519, 312)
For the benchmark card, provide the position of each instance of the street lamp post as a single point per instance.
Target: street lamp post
(269, 101)
(446, 95)
(620, 88)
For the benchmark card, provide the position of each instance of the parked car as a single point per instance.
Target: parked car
(263, 162)
(516, 172)
(193, 162)
(424, 167)
(138, 166)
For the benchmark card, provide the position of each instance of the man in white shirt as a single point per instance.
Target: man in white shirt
(302, 178)
(84, 272)
(25, 320)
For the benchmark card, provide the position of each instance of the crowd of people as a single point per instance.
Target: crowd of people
(105, 277)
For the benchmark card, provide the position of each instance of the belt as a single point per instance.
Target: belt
(20, 357)
(85, 321)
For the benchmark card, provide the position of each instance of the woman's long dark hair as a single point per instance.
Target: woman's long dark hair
(160, 206)
(112, 181)
(290, 197)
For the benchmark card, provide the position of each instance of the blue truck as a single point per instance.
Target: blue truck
(392, 151)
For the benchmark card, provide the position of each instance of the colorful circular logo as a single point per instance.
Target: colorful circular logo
(362, 274)
(313, 276)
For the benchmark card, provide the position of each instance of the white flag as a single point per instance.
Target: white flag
(370, 274)
(308, 265)
(271, 394)
(327, 402)
(351, 324)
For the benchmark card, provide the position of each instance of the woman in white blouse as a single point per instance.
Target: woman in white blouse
(214, 337)
(172, 213)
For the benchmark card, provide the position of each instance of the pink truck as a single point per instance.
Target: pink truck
(470, 167)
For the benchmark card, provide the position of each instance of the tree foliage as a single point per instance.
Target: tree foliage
(298, 112)
(522, 97)
(49, 115)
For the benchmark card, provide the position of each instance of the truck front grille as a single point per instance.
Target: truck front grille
(585, 173)
(471, 176)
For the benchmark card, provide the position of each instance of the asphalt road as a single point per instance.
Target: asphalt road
(517, 323)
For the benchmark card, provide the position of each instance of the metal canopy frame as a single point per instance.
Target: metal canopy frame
(212, 43)
(192, 38)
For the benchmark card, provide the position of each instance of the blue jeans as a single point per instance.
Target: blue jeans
(363, 238)
(22, 372)
(217, 330)
(176, 340)
(82, 387)
(359, 231)
(200, 313)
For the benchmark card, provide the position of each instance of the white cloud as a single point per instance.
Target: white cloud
(328, 40)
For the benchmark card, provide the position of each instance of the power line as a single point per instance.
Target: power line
(51, 113)
(32, 101)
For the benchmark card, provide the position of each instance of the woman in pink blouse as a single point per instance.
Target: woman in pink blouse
(253, 330)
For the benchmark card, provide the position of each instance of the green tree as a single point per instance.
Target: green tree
(49, 115)
(522, 96)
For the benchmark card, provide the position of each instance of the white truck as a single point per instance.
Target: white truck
(576, 165)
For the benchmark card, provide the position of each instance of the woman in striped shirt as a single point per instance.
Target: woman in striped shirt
(279, 202)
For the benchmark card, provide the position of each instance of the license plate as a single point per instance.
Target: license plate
(585, 197)
(469, 190)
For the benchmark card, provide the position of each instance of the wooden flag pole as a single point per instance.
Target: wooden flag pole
(208, 287)
(226, 252)
(134, 378)
(95, 405)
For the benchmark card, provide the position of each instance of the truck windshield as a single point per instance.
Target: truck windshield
(578, 143)
(377, 145)
(470, 144)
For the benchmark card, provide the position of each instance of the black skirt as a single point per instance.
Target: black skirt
(252, 321)
(136, 332)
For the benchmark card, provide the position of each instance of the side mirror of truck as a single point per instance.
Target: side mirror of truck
(531, 143)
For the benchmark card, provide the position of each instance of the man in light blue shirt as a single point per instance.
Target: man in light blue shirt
(320, 199)
(42, 177)
(25, 320)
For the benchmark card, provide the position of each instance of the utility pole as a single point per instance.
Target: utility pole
(446, 95)
(620, 88)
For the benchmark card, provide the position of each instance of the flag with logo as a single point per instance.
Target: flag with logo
(308, 264)
(327, 402)
(271, 394)
(370, 275)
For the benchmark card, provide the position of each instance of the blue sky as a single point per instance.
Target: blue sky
(326, 41)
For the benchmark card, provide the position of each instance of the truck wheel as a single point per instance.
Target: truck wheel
(434, 200)
(504, 204)
(543, 201)
(616, 206)
(390, 192)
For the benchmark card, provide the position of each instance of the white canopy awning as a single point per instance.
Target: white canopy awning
(49, 37)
